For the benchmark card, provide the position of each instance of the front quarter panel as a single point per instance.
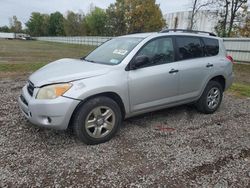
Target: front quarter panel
(115, 81)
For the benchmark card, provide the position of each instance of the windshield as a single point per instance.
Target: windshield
(114, 51)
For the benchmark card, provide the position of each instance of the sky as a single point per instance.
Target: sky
(23, 8)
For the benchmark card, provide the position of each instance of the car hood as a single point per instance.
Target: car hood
(66, 70)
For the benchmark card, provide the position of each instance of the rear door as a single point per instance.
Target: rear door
(194, 68)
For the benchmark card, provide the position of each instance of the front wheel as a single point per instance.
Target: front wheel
(97, 120)
(211, 98)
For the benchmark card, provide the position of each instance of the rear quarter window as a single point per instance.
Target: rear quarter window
(211, 46)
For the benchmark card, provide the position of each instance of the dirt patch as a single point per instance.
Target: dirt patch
(176, 147)
(14, 75)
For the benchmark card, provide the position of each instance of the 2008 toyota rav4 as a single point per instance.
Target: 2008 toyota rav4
(127, 76)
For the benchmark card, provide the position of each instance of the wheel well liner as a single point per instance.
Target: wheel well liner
(221, 80)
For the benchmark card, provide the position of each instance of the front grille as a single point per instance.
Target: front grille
(24, 100)
(30, 88)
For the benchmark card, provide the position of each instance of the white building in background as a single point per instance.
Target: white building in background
(205, 20)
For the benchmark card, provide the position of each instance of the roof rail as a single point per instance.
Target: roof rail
(186, 31)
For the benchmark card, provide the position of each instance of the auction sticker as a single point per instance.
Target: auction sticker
(120, 51)
(115, 61)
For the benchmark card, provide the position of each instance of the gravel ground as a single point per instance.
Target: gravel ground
(177, 147)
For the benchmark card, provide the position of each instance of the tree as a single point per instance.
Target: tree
(95, 22)
(38, 24)
(176, 22)
(197, 5)
(4, 29)
(235, 6)
(15, 25)
(132, 16)
(74, 24)
(45, 29)
(116, 23)
(56, 26)
(230, 12)
(143, 16)
(245, 30)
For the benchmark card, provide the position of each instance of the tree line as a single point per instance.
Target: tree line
(122, 17)
(132, 16)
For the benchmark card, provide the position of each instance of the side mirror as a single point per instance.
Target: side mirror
(139, 61)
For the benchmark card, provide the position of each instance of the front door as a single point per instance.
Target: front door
(157, 82)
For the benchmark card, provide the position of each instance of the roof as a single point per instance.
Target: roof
(187, 31)
(180, 33)
(139, 35)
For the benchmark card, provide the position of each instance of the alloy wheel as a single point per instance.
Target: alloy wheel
(100, 122)
(213, 98)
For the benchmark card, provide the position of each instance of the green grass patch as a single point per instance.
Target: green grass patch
(242, 67)
(240, 89)
(24, 67)
(242, 73)
(17, 51)
(28, 56)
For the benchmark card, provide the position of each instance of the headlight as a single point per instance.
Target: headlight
(53, 91)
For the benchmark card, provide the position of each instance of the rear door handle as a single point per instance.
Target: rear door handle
(209, 65)
(173, 71)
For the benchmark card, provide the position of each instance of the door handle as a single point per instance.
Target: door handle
(173, 71)
(209, 65)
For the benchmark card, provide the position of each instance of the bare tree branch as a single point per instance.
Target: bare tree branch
(197, 5)
(230, 11)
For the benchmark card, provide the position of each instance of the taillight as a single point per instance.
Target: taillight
(230, 58)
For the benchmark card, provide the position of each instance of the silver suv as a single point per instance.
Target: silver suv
(127, 76)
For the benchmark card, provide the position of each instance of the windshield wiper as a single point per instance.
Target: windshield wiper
(91, 61)
(83, 58)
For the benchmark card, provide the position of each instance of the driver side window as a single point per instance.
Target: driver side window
(158, 51)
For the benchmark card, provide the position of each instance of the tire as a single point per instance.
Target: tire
(209, 101)
(97, 120)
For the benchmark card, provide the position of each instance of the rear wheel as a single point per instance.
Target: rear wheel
(211, 98)
(97, 120)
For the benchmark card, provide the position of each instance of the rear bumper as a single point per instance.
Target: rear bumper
(55, 113)
(229, 81)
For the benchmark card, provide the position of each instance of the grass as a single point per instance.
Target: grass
(241, 85)
(242, 73)
(24, 67)
(22, 53)
(241, 90)
(28, 56)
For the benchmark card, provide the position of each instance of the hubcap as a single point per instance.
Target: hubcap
(100, 122)
(213, 98)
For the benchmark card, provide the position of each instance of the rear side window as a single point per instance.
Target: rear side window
(189, 47)
(212, 46)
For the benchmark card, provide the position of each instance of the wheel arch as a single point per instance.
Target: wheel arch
(201, 103)
(221, 79)
(112, 95)
(218, 78)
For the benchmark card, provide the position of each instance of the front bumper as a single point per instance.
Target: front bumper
(54, 113)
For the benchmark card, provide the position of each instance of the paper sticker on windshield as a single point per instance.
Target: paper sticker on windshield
(120, 51)
(114, 61)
